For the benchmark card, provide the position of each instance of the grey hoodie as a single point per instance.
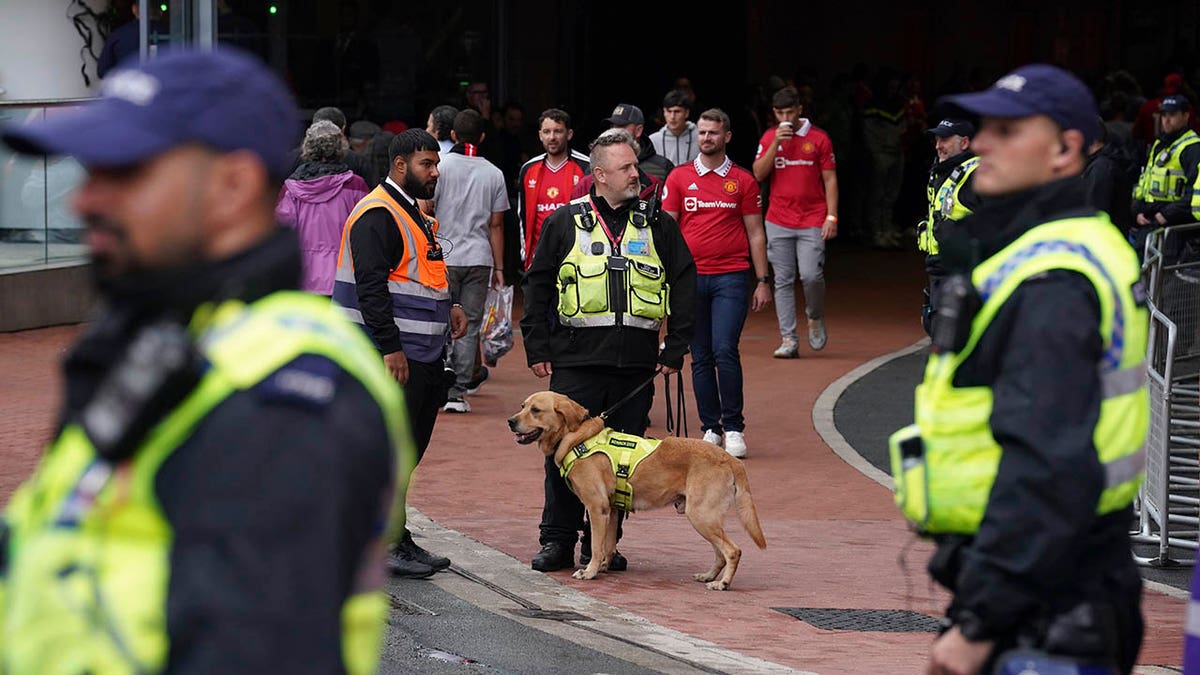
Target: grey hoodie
(677, 149)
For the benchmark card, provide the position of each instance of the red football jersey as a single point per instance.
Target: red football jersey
(797, 189)
(711, 204)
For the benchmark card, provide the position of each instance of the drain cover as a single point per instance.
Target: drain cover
(550, 614)
(875, 620)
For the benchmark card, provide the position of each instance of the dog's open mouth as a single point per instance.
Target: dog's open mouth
(529, 437)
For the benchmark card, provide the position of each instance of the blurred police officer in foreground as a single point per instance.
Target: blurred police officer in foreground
(1028, 444)
(229, 447)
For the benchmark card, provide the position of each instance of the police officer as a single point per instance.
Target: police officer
(951, 198)
(1028, 445)
(1162, 195)
(608, 270)
(214, 498)
(392, 279)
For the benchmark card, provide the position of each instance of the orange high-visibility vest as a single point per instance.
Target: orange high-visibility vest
(418, 285)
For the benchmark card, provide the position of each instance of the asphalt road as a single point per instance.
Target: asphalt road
(490, 613)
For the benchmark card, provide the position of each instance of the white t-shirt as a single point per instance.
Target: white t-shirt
(469, 191)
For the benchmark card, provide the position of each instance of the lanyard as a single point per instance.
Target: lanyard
(615, 240)
(83, 495)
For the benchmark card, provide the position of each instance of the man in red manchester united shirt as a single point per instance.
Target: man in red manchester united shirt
(546, 180)
(798, 159)
(719, 210)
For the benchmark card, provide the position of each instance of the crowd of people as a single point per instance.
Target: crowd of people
(651, 246)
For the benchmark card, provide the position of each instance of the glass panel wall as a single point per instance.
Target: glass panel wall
(37, 227)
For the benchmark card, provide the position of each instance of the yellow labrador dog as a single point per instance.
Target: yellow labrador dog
(698, 478)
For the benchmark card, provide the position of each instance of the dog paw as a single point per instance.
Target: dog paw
(704, 576)
(585, 573)
(717, 586)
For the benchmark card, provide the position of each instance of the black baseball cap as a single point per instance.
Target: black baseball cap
(626, 113)
(1037, 89)
(225, 98)
(953, 127)
(1174, 103)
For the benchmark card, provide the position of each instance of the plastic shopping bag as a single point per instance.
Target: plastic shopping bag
(496, 333)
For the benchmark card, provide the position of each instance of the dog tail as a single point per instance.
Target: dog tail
(745, 505)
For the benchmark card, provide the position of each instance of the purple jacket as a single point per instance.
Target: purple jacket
(317, 209)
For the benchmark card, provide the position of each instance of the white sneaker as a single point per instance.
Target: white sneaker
(788, 349)
(713, 437)
(458, 405)
(816, 334)
(735, 444)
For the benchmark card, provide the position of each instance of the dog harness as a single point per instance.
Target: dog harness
(625, 451)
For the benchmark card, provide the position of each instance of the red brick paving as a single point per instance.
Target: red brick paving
(29, 398)
(834, 537)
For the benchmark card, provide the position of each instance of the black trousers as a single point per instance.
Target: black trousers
(595, 388)
(424, 396)
(933, 296)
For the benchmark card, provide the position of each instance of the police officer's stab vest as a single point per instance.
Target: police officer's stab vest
(625, 451)
(1162, 179)
(944, 204)
(944, 465)
(1196, 198)
(86, 587)
(598, 286)
(418, 285)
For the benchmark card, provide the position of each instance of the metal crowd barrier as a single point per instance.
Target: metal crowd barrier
(1168, 505)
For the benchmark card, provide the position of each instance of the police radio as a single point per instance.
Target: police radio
(653, 207)
(957, 304)
(158, 370)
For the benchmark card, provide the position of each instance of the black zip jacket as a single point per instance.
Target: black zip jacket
(651, 162)
(1108, 181)
(274, 496)
(546, 339)
(1041, 548)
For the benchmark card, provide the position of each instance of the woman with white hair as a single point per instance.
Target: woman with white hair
(316, 201)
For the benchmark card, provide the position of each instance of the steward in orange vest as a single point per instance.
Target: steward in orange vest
(391, 279)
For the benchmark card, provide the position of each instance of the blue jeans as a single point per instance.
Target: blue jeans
(721, 304)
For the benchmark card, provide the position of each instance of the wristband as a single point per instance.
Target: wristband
(833, 218)
(764, 280)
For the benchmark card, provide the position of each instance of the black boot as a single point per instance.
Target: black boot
(401, 564)
(555, 555)
(437, 562)
(616, 562)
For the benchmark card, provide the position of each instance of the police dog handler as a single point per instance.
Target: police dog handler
(229, 446)
(1028, 445)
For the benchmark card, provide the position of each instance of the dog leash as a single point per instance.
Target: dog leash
(679, 421)
(604, 415)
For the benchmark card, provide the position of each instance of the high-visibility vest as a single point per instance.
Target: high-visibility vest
(419, 287)
(585, 286)
(944, 465)
(944, 204)
(1162, 179)
(85, 589)
(625, 451)
(1196, 198)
